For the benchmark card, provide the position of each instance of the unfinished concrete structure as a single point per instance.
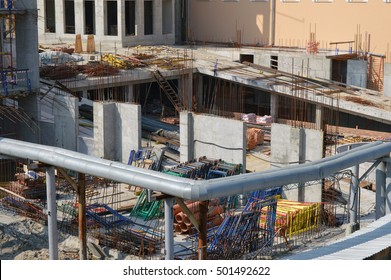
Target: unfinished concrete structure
(208, 88)
(113, 23)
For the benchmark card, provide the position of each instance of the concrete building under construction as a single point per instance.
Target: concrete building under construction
(108, 91)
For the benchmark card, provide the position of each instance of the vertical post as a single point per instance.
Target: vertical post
(169, 228)
(202, 239)
(380, 190)
(82, 216)
(388, 187)
(52, 212)
(319, 117)
(353, 199)
(274, 107)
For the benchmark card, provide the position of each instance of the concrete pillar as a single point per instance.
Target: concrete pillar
(60, 18)
(274, 107)
(354, 198)
(52, 213)
(380, 190)
(319, 117)
(129, 96)
(121, 19)
(157, 18)
(117, 130)
(388, 187)
(185, 89)
(139, 17)
(26, 28)
(169, 228)
(79, 17)
(387, 80)
(186, 136)
(100, 18)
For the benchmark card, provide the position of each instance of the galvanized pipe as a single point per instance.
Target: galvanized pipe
(193, 189)
(380, 190)
(52, 212)
(354, 196)
(388, 187)
(168, 228)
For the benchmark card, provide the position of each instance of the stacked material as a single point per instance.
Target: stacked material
(294, 217)
(254, 137)
(182, 222)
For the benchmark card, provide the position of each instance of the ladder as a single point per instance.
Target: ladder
(168, 90)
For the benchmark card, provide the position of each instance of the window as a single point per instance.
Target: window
(290, 1)
(130, 17)
(323, 1)
(112, 18)
(167, 16)
(89, 17)
(148, 17)
(69, 8)
(50, 16)
(357, 1)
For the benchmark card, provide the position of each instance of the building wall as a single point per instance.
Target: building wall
(213, 137)
(335, 21)
(103, 28)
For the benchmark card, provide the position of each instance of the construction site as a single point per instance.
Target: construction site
(187, 151)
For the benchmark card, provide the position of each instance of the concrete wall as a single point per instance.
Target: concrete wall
(213, 137)
(387, 79)
(356, 74)
(29, 132)
(117, 130)
(66, 122)
(293, 145)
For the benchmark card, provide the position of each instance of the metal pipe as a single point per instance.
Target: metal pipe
(52, 212)
(81, 192)
(388, 187)
(197, 190)
(353, 199)
(202, 236)
(168, 228)
(380, 190)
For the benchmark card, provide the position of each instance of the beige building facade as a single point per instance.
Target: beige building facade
(293, 23)
(117, 22)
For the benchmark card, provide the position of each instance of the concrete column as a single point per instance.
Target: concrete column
(139, 17)
(185, 89)
(354, 198)
(157, 17)
(52, 213)
(129, 97)
(380, 190)
(319, 117)
(100, 18)
(274, 107)
(60, 18)
(388, 187)
(186, 136)
(27, 42)
(79, 17)
(169, 228)
(121, 19)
